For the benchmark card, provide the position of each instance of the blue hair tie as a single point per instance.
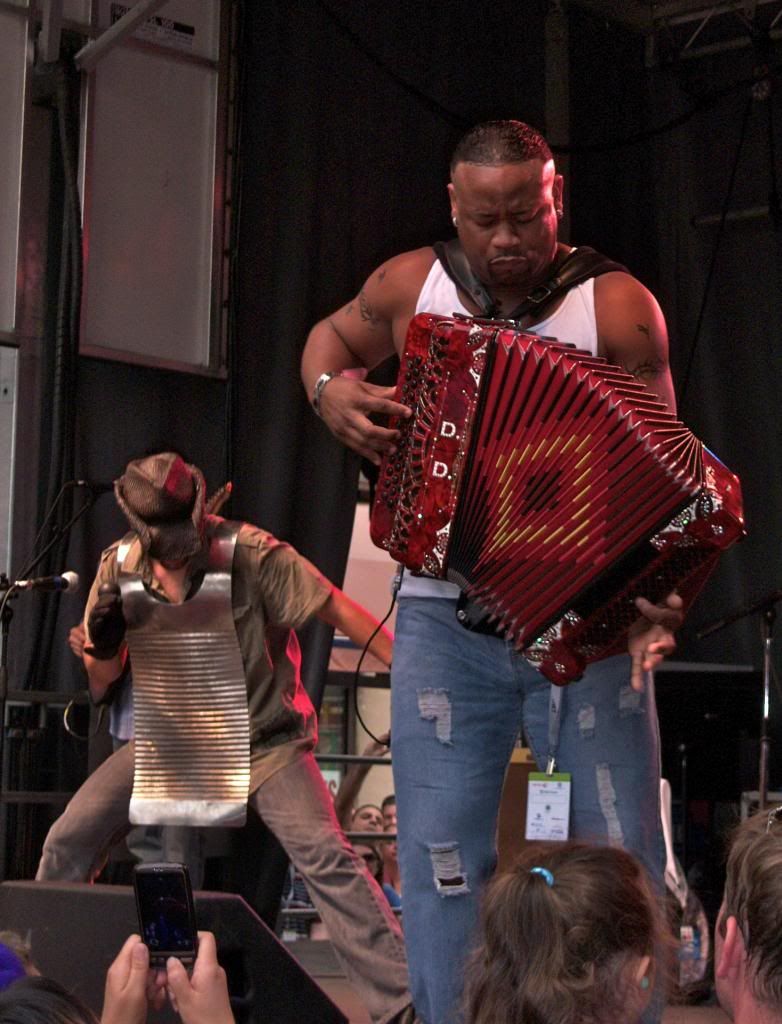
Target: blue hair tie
(544, 873)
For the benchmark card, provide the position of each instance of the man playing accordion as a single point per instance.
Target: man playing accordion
(459, 698)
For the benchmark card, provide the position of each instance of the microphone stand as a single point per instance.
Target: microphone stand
(59, 534)
(767, 607)
(7, 591)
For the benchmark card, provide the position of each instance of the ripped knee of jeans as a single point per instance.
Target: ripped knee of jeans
(449, 876)
(606, 795)
(435, 706)
(586, 721)
(630, 702)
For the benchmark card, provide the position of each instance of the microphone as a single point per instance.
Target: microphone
(96, 488)
(67, 581)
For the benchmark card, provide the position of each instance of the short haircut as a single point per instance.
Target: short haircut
(388, 801)
(42, 1001)
(501, 142)
(559, 944)
(753, 895)
(362, 807)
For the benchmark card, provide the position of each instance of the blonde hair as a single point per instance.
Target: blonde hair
(753, 895)
(563, 953)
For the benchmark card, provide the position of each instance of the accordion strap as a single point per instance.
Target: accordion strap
(577, 267)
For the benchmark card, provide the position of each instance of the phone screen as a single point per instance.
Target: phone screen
(165, 909)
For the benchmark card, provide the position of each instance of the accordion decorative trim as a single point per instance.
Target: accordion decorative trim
(550, 485)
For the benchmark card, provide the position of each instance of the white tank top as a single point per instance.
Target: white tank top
(573, 321)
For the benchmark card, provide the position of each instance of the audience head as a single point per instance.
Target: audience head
(573, 934)
(748, 939)
(389, 848)
(21, 951)
(11, 966)
(42, 1001)
(388, 810)
(367, 818)
(371, 858)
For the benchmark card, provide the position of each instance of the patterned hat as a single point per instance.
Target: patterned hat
(163, 497)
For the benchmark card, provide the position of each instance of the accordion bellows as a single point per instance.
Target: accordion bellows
(550, 485)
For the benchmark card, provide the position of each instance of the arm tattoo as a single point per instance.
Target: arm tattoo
(367, 313)
(647, 369)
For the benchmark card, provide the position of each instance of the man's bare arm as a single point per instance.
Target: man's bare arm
(353, 780)
(101, 674)
(364, 332)
(632, 333)
(356, 622)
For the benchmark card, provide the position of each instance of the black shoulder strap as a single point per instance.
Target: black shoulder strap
(454, 262)
(577, 267)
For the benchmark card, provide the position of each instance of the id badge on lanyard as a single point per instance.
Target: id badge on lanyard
(548, 793)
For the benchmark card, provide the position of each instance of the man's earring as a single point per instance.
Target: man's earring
(455, 223)
(644, 982)
(560, 212)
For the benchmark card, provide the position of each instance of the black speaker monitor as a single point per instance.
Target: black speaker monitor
(76, 930)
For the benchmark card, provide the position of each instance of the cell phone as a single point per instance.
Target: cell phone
(166, 912)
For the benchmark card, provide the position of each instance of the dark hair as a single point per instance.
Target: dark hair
(388, 801)
(500, 142)
(362, 806)
(753, 895)
(562, 953)
(377, 871)
(42, 1001)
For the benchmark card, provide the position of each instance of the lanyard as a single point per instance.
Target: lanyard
(554, 722)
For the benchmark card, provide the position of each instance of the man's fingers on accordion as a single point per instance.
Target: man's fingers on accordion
(370, 441)
(647, 659)
(381, 400)
(657, 650)
(667, 613)
(637, 672)
(353, 398)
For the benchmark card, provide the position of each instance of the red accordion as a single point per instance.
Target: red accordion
(550, 485)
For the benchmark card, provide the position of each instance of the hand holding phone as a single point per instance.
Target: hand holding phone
(201, 998)
(166, 912)
(131, 987)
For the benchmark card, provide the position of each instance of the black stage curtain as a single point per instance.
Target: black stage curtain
(720, 284)
(349, 114)
(654, 150)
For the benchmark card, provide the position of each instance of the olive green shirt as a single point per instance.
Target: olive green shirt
(274, 589)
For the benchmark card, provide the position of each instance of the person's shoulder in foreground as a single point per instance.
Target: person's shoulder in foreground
(748, 936)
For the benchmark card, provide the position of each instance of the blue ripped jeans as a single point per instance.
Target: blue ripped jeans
(459, 700)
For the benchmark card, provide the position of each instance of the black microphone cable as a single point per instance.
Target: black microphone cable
(395, 585)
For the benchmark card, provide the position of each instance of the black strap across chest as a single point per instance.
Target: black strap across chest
(577, 267)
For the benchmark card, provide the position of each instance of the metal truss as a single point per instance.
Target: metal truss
(681, 29)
